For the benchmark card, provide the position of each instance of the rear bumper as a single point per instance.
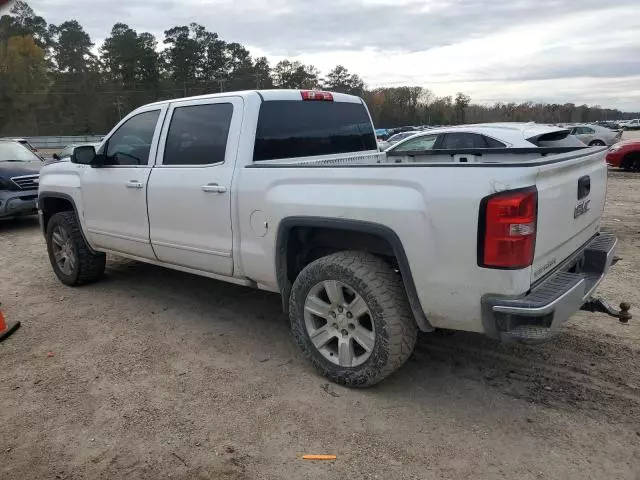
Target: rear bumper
(551, 302)
(21, 202)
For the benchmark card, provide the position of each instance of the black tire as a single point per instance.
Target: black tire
(89, 266)
(383, 292)
(631, 162)
(597, 143)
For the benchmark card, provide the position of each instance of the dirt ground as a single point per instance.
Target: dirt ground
(158, 374)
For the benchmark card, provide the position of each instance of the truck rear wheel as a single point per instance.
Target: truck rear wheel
(70, 256)
(350, 316)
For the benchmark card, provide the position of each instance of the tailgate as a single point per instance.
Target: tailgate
(571, 196)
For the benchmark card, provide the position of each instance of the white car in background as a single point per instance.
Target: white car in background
(473, 143)
(630, 124)
(595, 135)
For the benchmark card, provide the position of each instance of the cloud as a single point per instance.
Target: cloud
(477, 44)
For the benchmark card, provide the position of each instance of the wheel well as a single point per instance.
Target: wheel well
(52, 205)
(301, 240)
(306, 244)
(630, 157)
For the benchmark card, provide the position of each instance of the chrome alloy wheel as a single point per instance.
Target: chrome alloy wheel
(63, 250)
(339, 323)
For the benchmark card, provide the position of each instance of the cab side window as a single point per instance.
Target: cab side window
(131, 143)
(198, 134)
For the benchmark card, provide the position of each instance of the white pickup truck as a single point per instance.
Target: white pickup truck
(285, 191)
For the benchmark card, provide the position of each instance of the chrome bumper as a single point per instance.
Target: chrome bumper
(550, 303)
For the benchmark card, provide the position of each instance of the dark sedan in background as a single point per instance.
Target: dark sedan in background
(19, 173)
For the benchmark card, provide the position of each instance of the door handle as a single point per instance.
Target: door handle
(134, 184)
(213, 188)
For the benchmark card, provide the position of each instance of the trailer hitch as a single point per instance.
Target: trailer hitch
(596, 304)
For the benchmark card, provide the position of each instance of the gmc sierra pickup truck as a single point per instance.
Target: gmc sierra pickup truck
(286, 191)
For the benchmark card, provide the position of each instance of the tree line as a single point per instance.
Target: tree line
(52, 82)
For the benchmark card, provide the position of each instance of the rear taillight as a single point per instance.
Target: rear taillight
(507, 229)
(316, 95)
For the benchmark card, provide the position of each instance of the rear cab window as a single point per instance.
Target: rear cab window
(297, 128)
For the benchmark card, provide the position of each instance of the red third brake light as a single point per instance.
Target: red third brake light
(316, 95)
(507, 234)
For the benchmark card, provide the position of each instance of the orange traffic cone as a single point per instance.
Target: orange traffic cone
(7, 328)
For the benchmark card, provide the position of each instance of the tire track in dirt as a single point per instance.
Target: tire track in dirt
(574, 371)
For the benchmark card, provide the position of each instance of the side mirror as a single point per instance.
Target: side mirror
(84, 155)
(55, 156)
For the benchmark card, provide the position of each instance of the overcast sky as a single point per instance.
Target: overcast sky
(581, 51)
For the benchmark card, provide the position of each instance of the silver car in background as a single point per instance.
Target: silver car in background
(595, 135)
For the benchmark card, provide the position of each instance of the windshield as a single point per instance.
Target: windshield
(14, 152)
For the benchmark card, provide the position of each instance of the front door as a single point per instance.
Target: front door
(190, 187)
(114, 195)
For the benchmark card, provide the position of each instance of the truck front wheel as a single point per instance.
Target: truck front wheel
(350, 316)
(72, 260)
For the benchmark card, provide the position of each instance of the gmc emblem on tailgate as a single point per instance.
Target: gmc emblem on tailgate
(581, 208)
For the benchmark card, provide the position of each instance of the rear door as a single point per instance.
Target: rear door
(571, 197)
(189, 197)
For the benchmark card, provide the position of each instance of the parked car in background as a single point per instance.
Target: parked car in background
(472, 143)
(382, 133)
(595, 135)
(396, 138)
(19, 174)
(66, 152)
(610, 124)
(625, 155)
(406, 128)
(630, 124)
(24, 142)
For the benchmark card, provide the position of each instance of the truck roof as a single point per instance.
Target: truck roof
(266, 95)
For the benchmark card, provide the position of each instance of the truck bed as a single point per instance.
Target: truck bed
(434, 208)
